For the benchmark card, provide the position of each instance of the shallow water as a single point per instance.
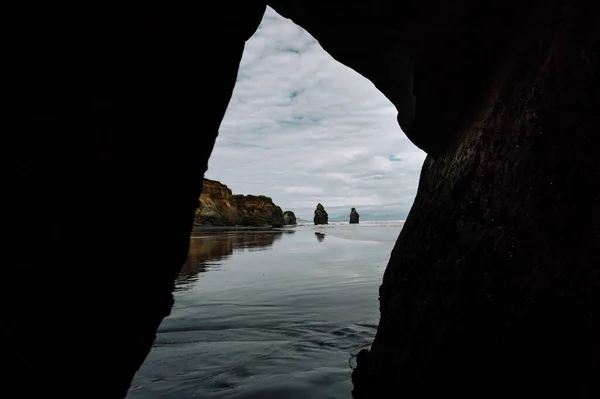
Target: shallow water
(270, 314)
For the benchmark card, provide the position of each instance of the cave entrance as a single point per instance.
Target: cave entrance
(303, 128)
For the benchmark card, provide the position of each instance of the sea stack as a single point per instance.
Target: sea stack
(289, 218)
(321, 216)
(354, 216)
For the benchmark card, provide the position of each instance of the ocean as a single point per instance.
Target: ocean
(270, 313)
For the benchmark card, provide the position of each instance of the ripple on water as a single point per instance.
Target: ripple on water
(270, 323)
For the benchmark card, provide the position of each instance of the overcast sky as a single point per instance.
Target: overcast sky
(303, 128)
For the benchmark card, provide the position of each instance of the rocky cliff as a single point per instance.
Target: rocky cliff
(219, 207)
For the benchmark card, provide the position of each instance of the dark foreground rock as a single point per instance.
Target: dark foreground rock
(354, 216)
(321, 216)
(289, 218)
(492, 288)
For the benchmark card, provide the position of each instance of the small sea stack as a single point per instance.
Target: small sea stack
(354, 216)
(289, 218)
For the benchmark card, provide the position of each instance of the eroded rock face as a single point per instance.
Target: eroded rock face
(289, 218)
(321, 216)
(354, 216)
(219, 207)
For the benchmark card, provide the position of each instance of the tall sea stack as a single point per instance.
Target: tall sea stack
(354, 216)
(321, 216)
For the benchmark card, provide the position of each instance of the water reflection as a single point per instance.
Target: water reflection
(320, 236)
(208, 249)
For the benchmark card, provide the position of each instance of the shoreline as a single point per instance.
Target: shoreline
(237, 228)
(208, 228)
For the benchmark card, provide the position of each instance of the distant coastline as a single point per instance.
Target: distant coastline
(222, 210)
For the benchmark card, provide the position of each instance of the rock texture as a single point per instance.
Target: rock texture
(321, 216)
(354, 216)
(289, 218)
(219, 207)
(492, 288)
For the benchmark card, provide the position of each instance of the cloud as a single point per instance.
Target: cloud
(303, 128)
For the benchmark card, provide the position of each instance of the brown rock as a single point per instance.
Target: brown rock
(219, 207)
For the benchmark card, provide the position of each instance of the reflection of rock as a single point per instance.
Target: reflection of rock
(320, 236)
(321, 216)
(219, 207)
(354, 216)
(289, 218)
(214, 246)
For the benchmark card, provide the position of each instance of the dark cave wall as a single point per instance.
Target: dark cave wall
(434, 60)
(110, 113)
(492, 286)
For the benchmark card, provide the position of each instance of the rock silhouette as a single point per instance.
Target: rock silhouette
(321, 216)
(354, 216)
(492, 286)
